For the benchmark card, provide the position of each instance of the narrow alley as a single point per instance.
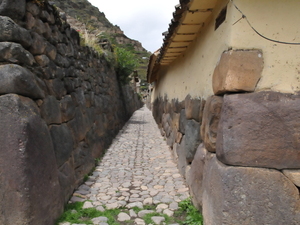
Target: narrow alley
(137, 170)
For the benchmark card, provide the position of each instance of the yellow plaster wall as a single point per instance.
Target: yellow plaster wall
(275, 19)
(192, 72)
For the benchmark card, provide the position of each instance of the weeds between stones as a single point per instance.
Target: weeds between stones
(187, 214)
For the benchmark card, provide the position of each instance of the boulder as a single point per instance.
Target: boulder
(238, 71)
(15, 53)
(18, 80)
(244, 195)
(14, 9)
(260, 130)
(210, 122)
(29, 187)
(12, 32)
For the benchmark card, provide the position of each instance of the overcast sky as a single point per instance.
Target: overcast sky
(140, 20)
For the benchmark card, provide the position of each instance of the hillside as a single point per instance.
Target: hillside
(93, 25)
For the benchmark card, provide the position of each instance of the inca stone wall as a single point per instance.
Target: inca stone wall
(239, 150)
(60, 107)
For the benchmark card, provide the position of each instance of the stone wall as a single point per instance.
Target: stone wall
(60, 107)
(238, 149)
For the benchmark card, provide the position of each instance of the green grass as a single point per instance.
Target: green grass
(148, 220)
(187, 214)
(193, 216)
(74, 213)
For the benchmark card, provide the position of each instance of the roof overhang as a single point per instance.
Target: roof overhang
(188, 19)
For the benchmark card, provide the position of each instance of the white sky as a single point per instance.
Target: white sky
(142, 20)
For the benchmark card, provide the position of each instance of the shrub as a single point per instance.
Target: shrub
(126, 64)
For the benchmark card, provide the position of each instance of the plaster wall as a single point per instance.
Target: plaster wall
(277, 20)
(192, 72)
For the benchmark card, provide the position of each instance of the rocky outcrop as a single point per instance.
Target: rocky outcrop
(60, 107)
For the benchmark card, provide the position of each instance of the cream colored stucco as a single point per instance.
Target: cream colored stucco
(191, 73)
(275, 19)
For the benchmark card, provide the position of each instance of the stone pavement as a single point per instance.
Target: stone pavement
(136, 170)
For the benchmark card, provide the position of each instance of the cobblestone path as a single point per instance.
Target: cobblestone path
(136, 170)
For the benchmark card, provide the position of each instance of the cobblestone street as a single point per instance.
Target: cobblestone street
(137, 170)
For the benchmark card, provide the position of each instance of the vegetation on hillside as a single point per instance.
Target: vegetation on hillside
(107, 38)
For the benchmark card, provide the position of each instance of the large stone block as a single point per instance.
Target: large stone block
(67, 180)
(166, 121)
(14, 9)
(177, 106)
(181, 153)
(39, 46)
(182, 121)
(261, 130)
(175, 121)
(193, 108)
(172, 137)
(194, 177)
(83, 161)
(210, 122)
(244, 196)
(293, 175)
(15, 79)
(15, 53)
(29, 187)
(62, 142)
(238, 71)
(79, 125)
(67, 107)
(56, 87)
(50, 110)
(12, 32)
(192, 139)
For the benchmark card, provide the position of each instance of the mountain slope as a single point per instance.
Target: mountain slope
(93, 25)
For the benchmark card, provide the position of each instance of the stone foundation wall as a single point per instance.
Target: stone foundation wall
(239, 150)
(60, 107)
